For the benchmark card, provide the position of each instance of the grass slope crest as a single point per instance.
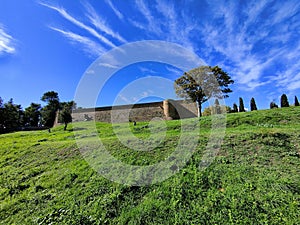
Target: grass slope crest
(255, 178)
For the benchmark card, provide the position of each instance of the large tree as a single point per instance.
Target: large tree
(65, 115)
(202, 83)
(33, 114)
(284, 101)
(49, 111)
(11, 116)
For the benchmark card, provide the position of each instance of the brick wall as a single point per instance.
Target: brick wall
(166, 110)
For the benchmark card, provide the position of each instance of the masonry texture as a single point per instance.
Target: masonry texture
(165, 110)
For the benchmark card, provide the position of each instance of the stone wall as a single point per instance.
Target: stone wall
(166, 110)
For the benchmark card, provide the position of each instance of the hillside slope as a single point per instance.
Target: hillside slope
(255, 178)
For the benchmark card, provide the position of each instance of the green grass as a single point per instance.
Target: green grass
(255, 178)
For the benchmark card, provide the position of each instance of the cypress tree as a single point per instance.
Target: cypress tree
(241, 106)
(296, 101)
(284, 101)
(235, 108)
(253, 104)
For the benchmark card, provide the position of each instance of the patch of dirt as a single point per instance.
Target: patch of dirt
(68, 152)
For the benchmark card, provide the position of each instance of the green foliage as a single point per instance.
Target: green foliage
(51, 97)
(48, 112)
(216, 109)
(11, 116)
(207, 111)
(33, 114)
(241, 105)
(201, 83)
(296, 101)
(65, 113)
(253, 105)
(228, 109)
(255, 178)
(284, 101)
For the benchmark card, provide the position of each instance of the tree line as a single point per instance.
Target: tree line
(283, 103)
(216, 108)
(198, 84)
(13, 117)
(205, 82)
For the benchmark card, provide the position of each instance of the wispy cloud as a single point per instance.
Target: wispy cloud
(115, 10)
(148, 71)
(100, 24)
(123, 100)
(6, 42)
(250, 40)
(89, 46)
(109, 65)
(146, 12)
(174, 71)
(257, 42)
(73, 20)
(162, 20)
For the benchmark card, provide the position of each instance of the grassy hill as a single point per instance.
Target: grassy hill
(255, 178)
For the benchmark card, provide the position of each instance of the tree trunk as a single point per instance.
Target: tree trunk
(65, 127)
(199, 108)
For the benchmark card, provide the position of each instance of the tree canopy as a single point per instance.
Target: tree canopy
(11, 116)
(65, 115)
(33, 114)
(49, 111)
(202, 83)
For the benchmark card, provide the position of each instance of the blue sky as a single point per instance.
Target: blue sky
(48, 45)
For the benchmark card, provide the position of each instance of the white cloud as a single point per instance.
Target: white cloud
(91, 71)
(172, 26)
(122, 100)
(174, 71)
(290, 78)
(6, 42)
(92, 31)
(100, 24)
(137, 24)
(153, 25)
(109, 65)
(89, 46)
(146, 70)
(115, 10)
(294, 85)
(249, 42)
(144, 94)
(143, 8)
(285, 10)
